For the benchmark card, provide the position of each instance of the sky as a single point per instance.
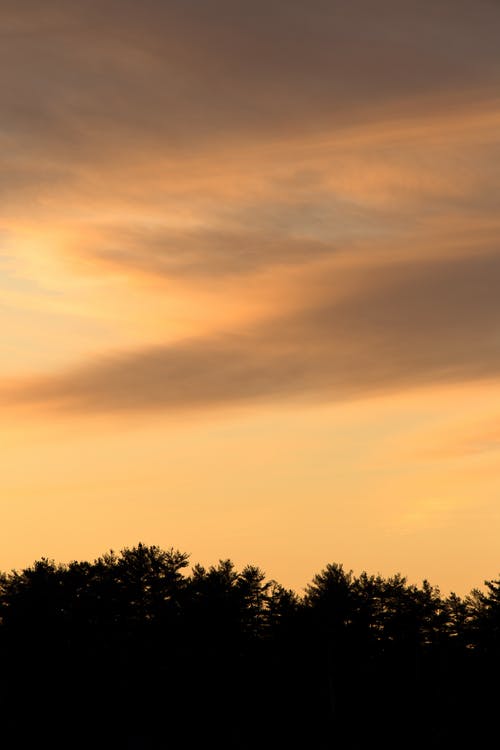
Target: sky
(250, 283)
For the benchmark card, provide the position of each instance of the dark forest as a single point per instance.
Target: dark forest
(139, 649)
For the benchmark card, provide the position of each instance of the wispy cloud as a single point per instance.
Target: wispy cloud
(403, 326)
(209, 145)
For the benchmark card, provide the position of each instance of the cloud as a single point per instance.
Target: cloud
(202, 253)
(290, 206)
(84, 82)
(210, 143)
(210, 139)
(404, 326)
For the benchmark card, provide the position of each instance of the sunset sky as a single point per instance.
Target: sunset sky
(250, 283)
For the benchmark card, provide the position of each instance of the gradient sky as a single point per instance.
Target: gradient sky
(250, 283)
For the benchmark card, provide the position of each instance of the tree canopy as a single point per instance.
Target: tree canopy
(141, 649)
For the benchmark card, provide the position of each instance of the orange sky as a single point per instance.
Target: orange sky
(250, 283)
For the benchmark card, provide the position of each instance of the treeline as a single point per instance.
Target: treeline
(134, 651)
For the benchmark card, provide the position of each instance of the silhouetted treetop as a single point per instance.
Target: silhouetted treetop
(141, 647)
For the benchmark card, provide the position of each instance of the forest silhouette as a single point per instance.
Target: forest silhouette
(139, 650)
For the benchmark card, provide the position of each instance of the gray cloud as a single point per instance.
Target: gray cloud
(150, 133)
(406, 325)
(95, 75)
(93, 91)
(202, 253)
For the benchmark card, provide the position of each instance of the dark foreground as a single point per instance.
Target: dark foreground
(131, 652)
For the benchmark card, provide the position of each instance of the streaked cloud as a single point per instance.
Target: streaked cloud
(339, 156)
(181, 73)
(403, 325)
(208, 253)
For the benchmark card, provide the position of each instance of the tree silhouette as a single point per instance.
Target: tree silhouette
(138, 649)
